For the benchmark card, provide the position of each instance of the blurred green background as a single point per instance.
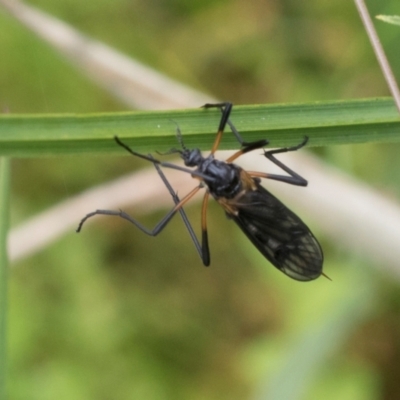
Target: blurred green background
(114, 314)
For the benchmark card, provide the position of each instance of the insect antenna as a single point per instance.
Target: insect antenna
(179, 137)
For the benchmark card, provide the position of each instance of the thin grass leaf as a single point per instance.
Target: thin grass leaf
(4, 212)
(337, 122)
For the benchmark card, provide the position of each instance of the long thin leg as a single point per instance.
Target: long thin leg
(237, 134)
(203, 251)
(204, 233)
(294, 179)
(250, 147)
(226, 109)
(161, 163)
(151, 232)
(185, 219)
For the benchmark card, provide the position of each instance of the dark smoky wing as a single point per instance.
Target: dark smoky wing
(279, 234)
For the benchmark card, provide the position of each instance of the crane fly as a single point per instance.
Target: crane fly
(279, 234)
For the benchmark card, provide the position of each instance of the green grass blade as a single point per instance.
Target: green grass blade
(344, 122)
(4, 212)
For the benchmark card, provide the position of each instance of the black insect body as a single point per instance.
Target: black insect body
(279, 234)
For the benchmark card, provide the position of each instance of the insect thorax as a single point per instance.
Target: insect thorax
(225, 179)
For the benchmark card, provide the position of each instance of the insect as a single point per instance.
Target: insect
(279, 234)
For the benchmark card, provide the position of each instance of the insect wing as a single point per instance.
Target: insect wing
(279, 234)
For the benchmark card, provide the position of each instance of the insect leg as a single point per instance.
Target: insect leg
(238, 136)
(226, 109)
(204, 254)
(161, 163)
(294, 178)
(286, 149)
(151, 232)
(249, 147)
(204, 234)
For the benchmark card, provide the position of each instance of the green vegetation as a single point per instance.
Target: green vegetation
(328, 123)
(4, 212)
(113, 314)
